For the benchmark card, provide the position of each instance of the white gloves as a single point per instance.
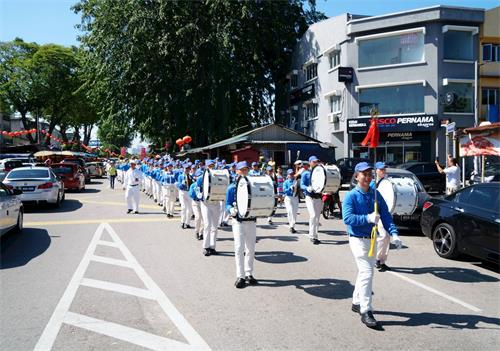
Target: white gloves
(309, 189)
(397, 241)
(199, 195)
(373, 218)
(233, 212)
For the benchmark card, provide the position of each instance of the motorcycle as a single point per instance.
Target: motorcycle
(328, 206)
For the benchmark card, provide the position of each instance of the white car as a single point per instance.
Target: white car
(38, 184)
(11, 210)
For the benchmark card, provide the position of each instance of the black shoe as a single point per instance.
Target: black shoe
(355, 308)
(270, 222)
(383, 267)
(377, 264)
(368, 319)
(129, 210)
(200, 237)
(196, 236)
(240, 283)
(136, 212)
(192, 216)
(293, 231)
(251, 280)
(213, 252)
(207, 252)
(183, 226)
(188, 226)
(164, 210)
(315, 241)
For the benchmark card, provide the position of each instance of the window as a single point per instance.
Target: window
(491, 52)
(406, 47)
(458, 45)
(28, 173)
(399, 99)
(478, 196)
(463, 97)
(489, 96)
(334, 59)
(311, 71)
(293, 81)
(335, 104)
(311, 111)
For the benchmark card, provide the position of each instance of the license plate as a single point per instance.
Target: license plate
(409, 217)
(27, 188)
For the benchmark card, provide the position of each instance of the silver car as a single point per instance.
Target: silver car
(38, 184)
(11, 210)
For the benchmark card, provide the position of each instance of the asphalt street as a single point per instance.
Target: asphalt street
(88, 276)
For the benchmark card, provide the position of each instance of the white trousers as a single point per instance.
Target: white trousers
(159, 197)
(133, 195)
(148, 185)
(168, 194)
(291, 206)
(186, 208)
(362, 295)
(314, 207)
(224, 215)
(244, 242)
(383, 243)
(198, 220)
(210, 214)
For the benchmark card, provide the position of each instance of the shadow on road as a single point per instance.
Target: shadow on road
(68, 205)
(18, 249)
(334, 242)
(278, 237)
(453, 321)
(333, 232)
(327, 288)
(90, 191)
(456, 274)
(278, 257)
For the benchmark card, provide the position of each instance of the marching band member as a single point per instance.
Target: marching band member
(210, 214)
(183, 184)
(131, 183)
(313, 202)
(270, 173)
(255, 171)
(196, 196)
(224, 215)
(168, 184)
(290, 189)
(244, 231)
(359, 216)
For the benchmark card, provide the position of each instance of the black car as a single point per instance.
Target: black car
(346, 166)
(491, 174)
(405, 221)
(433, 181)
(467, 221)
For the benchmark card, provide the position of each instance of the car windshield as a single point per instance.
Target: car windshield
(62, 170)
(28, 173)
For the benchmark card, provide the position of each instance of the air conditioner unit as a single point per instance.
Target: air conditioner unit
(334, 118)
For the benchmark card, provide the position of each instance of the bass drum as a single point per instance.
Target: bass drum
(215, 183)
(325, 179)
(400, 195)
(255, 196)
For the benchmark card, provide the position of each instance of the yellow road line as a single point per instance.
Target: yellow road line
(99, 221)
(121, 204)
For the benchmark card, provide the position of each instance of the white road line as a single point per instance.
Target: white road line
(193, 338)
(437, 292)
(112, 261)
(124, 289)
(107, 243)
(124, 333)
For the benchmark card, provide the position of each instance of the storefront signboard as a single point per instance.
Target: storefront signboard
(395, 124)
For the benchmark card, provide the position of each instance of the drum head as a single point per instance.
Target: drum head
(318, 178)
(242, 196)
(388, 191)
(206, 184)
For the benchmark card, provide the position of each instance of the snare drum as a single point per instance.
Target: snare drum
(255, 196)
(215, 183)
(325, 179)
(400, 195)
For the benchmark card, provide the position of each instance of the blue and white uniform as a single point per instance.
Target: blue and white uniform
(183, 183)
(290, 188)
(168, 191)
(313, 203)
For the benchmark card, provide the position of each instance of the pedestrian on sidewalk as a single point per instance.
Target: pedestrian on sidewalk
(112, 175)
(452, 174)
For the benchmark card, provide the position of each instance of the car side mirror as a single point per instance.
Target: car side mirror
(17, 191)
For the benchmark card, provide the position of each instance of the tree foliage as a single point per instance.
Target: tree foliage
(167, 68)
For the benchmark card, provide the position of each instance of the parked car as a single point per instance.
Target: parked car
(405, 221)
(38, 184)
(80, 162)
(6, 165)
(491, 174)
(11, 210)
(346, 166)
(95, 169)
(70, 174)
(428, 174)
(467, 221)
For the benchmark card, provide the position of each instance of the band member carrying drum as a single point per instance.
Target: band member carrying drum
(244, 231)
(313, 201)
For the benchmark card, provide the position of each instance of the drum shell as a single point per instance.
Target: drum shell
(404, 197)
(215, 183)
(325, 179)
(255, 197)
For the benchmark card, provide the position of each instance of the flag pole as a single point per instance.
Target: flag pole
(373, 236)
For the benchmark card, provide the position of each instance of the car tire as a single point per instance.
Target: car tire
(444, 241)
(57, 204)
(20, 220)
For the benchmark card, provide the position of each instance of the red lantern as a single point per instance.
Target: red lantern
(5, 132)
(187, 139)
(179, 142)
(43, 131)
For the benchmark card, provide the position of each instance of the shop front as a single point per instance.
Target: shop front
(402, 139)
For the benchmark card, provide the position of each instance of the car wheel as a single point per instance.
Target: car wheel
(445, 241)
(58, 201)
(20, 220)
(64, 196)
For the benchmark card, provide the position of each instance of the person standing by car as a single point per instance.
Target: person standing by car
(359, 216)
(112, 175)
(452, 175)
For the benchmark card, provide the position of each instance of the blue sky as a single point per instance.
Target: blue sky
(52, 21)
